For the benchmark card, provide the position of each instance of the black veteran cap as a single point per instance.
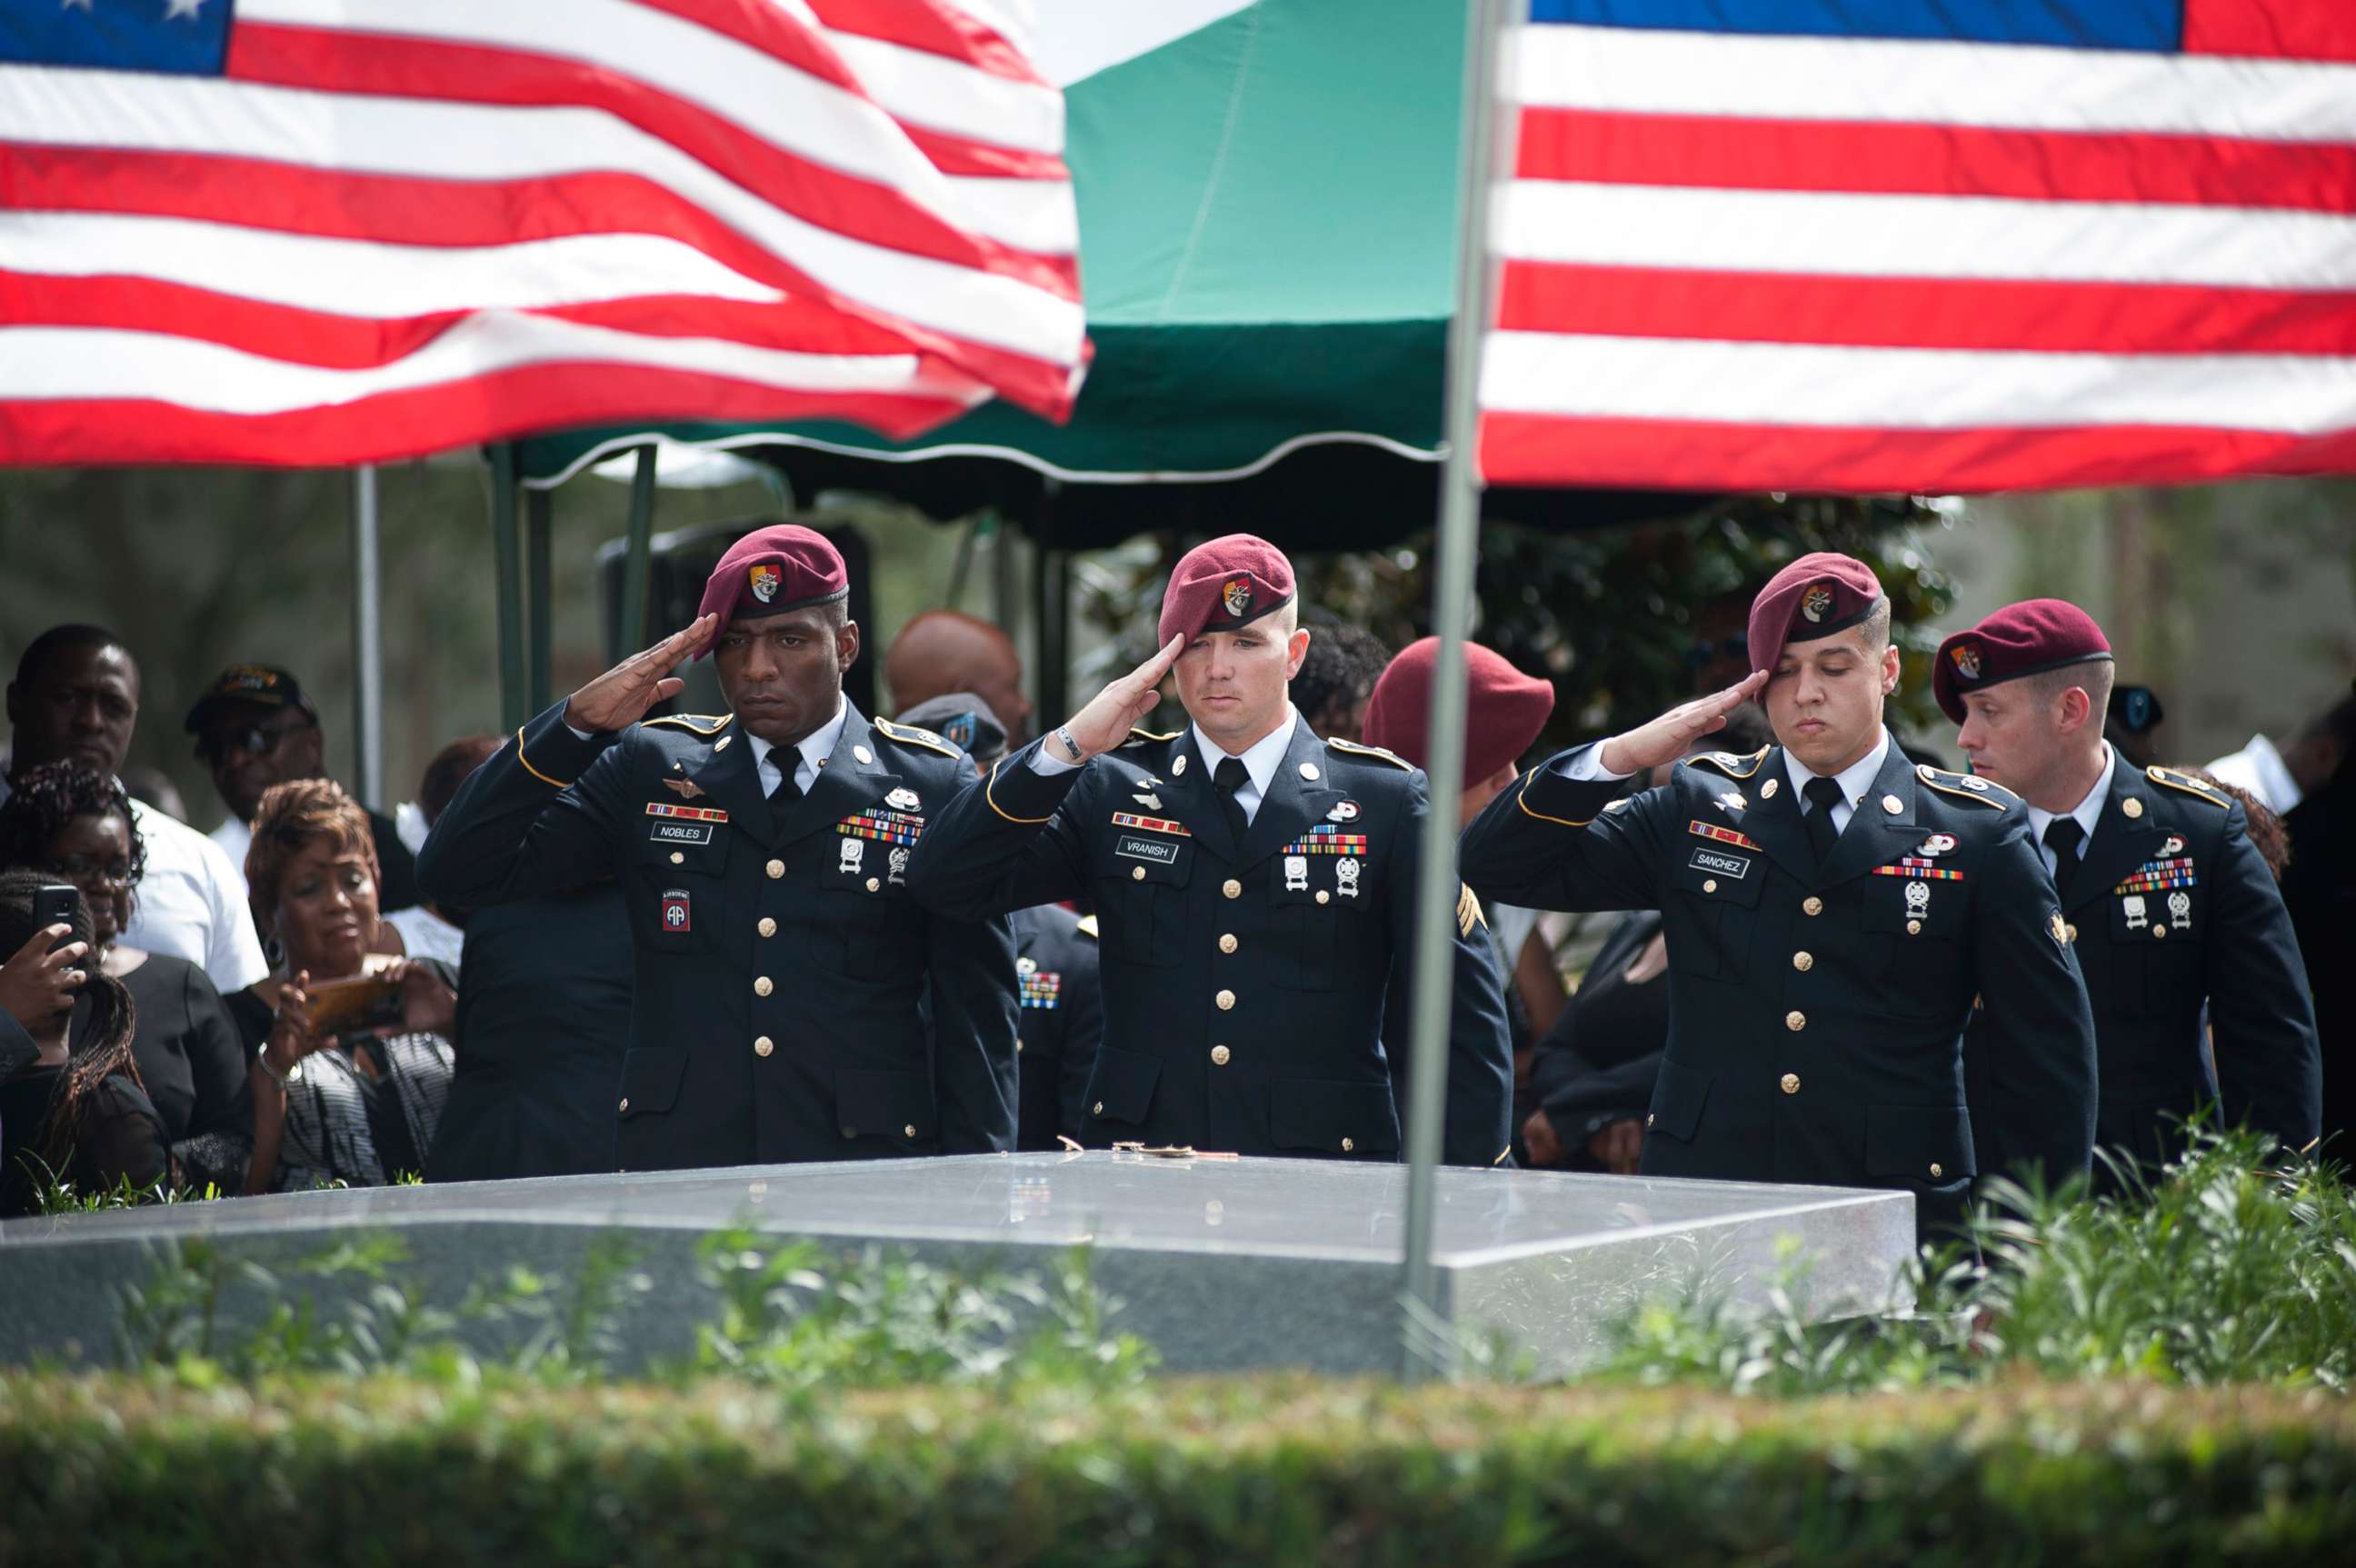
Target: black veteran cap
(964, 721)
(262, 685)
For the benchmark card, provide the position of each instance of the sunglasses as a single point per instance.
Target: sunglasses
(248, 740)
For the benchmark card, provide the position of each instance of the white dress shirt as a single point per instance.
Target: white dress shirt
(2086, 813)
(191, 903)
(810, 751)
(1854, 782)
(234, 838)
(1260, 760)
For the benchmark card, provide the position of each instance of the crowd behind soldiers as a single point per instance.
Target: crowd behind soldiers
(629, 940)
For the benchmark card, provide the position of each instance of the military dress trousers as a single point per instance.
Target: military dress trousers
(2171, 906)
(1244, 983)
(780, 960)
(1060, 1027)
(1817, 1011)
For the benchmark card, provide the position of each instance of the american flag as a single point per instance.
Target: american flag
(1924, 245)
(325, 231)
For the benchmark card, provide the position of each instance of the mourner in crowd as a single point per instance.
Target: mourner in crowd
(1831, 913)
(2170, 907)
(1593, 1074)
(74, 827)
(76, 699)
(72, 1113)
(794, 1001)
(943, 651)
(1254, 885)
(1337, 675)
(256, 729)
(352, 1054)
(2320, 888)
(1056, 972)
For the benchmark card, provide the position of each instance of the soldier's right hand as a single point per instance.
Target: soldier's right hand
(1105, 722)
(621, 696)
(1667, 738)
(37, 984)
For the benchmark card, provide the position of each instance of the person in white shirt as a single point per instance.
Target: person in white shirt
(76, 698)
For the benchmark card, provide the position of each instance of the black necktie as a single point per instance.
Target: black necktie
(1823, 795)
(1226, 780)
(788, 761)
(2063, 836)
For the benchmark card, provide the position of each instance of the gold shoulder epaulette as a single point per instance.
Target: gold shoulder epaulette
(1468, 911)
(1967, 787)
(1359, 748)
(2192, 787)
(909, 735)
(1139, 735)
(1727, 763)
(1088, 927)
(701, 723)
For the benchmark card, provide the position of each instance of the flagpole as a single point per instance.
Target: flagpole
(1455, 552)
(368, 640)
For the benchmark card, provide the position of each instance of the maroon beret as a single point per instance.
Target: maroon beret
(1815, 597)
(1226, 583)
(2025, 638)
(1506, 708)
(770, 570)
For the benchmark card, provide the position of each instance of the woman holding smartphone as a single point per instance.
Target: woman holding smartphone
(72, 1116)
(352, 1047)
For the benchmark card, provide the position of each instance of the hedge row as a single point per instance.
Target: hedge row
(114, 1470)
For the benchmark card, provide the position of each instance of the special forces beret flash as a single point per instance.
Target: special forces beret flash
(1815, 597)
(770, 570)
(2025, 638)
(1224, 583)
(1505, 709)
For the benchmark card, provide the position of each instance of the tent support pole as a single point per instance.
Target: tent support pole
(638, 566)
(507, 553)
(1050, 601)
(1423, 1350)
(538, 506)
(368, 640)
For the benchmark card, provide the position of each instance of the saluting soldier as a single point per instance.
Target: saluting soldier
(1831, 912)
(2170, 903)
(1254, 885)
(763, 855)
(1055, 971)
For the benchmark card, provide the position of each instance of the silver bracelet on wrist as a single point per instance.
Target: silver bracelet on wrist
(281, 1078)
(1072, 751)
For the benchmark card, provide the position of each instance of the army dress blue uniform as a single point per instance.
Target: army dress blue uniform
(780, 961)
(1817, 1011)
(1062, 1023)
(2172, 906)
(1244, 983)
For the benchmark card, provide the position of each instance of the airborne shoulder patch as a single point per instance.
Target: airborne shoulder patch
(1728, 763)
(2191, 786)
(698, 723)
(909, 735)
(1358, 748)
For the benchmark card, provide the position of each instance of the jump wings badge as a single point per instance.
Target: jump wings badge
(686, 788)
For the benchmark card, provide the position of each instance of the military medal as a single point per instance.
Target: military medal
(2132, 905)
(903, 800)
(1937, 843)
(2179, 910)
(854, 855)
(899, 863)
(2174, 845)
(1296, 873)
(1345, 876)
(1026, 965)
(1732, 801)
(1918, 900)
(1343, 812)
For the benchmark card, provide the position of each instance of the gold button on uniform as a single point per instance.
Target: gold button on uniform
(1648, 1115)
(1347, 1146)
(1893, 804)
(763, 985)
(677, 858)
(1803, 962)
(865, 757)
(1232, 888)
(1914, 927)
(1018, 1044)
(1811, 905)
(2158, 931)
(1322, 895)
(768, 928)
(1791, 1083)
(776, 869)
(2131, 806)
(1228, 942)
(909, 1131)
(1710, 884)
(1795, 1020)
(1935, 1170)
(1226, 999)
(1098, 1108)
(1219, 1056)
(873, 883)
(1137, 874)
(2069, 933)
(764, 1046)
(1309, 770)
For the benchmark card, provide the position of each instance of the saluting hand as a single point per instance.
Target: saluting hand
(1667, 738)
(1105, 722)
(621, 696)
